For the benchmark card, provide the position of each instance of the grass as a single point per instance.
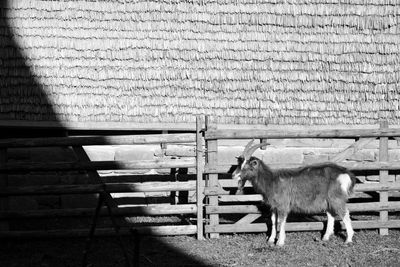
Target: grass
(301, 249)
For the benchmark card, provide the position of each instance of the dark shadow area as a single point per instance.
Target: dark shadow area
(22, 98)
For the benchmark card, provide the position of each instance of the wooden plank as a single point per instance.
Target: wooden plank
(98, 140)
(249, 218)
(97, 188)
(98, 165)
(296, 226)
(383, 177)
(144, 230)
(240, 198)
(233, 209)
(255, 209)
(4, 226)
(150, 210)
(218, 134)
(224, 195)
(354, 166)
(96, 126)
(212, 161)
(374, 206)
(199, 178)
(351, 150)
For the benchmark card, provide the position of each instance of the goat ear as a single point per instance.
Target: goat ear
(253, 163)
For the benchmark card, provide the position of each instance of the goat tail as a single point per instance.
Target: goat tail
(354, 179)
(347, 180)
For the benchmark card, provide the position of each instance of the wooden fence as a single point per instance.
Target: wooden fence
(216, 209)
(98, 185)
(248, 208)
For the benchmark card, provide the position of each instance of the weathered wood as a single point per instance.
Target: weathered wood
(296, 226)
(212, 161)
(199, 178)
(4, 226)
(96, 126)
(98, 140)
(97, 188)
(255, 209)
(151, 210)
(97, 165)
(257, 198)
(351, 150)
(143, 230)
(249, 218)
(354, 166)
(240, 198)
(383, 177)
(217, 134)
(217, 190)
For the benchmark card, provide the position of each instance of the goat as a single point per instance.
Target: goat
(311, 189)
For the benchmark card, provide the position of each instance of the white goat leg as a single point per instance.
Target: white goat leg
(271, 239)
(349, 228)
(282, 234)
(329, 227)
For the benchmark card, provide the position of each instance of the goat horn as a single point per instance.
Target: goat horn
(247, 147)
(251, 150)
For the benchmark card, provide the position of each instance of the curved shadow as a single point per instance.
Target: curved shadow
(22, 97)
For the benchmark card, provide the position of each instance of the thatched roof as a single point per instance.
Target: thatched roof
(272, 61)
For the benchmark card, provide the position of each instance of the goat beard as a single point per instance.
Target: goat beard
(240, 187)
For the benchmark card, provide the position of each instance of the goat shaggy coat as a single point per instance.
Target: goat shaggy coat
(311, 189)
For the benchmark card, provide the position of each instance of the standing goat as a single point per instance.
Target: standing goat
(310, 189)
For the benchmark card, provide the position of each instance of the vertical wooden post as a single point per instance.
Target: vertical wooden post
(4, 226)
(212, 161)
(383, 177)
(199, 180)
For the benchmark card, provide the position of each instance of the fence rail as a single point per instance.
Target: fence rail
(213, 195)
(216, 134)
(221, 201)
(96, 186)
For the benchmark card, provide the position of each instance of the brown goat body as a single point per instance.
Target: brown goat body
(306, 190)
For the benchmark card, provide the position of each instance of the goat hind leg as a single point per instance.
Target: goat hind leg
(271, 239)
(349, 229)
(329, 227)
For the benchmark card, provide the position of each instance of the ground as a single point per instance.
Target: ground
(301, 249)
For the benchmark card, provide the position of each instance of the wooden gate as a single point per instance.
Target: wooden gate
(99, 185)
(229, 213)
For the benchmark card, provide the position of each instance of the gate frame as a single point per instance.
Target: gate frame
(214, 189)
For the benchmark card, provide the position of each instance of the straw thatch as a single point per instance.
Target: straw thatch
(241, 61)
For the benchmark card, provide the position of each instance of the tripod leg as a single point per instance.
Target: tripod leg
(116, 228)
(92, 229)
(136, 253)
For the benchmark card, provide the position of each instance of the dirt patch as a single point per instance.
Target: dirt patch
(301, 249)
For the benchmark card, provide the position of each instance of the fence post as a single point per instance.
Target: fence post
(3, 183)
(383, 177)
(199, 180)
(212, 162)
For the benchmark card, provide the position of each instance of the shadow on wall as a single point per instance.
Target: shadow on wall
(22, 97)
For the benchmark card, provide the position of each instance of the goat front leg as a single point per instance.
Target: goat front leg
(271, 239)
(282, 235)
(329, 227)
